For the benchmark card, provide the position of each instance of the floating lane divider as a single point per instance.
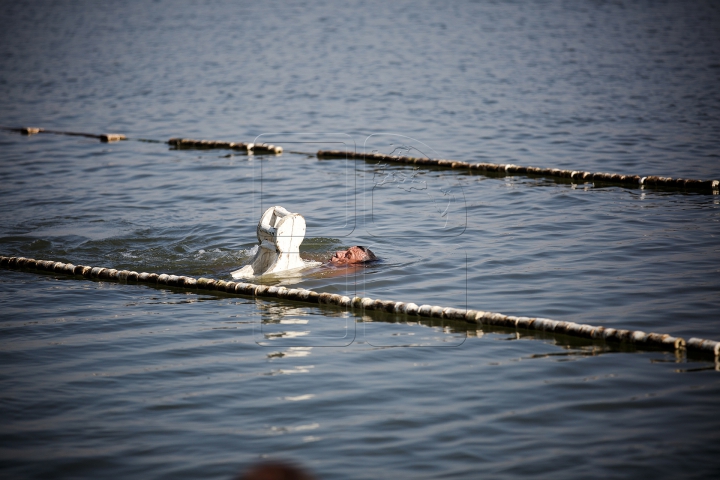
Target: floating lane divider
(258, 148)
(655, 340)
(105, 137)
(245, 147)
(635, 180)
(263, 148)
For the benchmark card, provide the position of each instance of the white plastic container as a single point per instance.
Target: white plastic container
(280, 234)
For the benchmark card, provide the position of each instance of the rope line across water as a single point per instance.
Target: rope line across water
(635, 180)
(655, 340)
(249, 147)
(105, 137)
(262, 148)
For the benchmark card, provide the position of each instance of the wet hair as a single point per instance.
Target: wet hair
(371, 257)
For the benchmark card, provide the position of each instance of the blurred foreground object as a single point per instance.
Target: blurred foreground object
(276, 471)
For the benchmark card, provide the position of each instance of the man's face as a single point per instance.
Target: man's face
(351, 255)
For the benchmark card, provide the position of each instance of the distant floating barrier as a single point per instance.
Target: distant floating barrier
(262, 148)
(259, 148)
(634, 180)
(105, 137)
(655, 340)
(31, 130)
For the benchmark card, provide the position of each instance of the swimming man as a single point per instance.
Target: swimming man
(353, 255)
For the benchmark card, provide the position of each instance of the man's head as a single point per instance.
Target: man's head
(356, 254)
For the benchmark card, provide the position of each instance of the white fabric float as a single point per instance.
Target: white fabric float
(280, 234)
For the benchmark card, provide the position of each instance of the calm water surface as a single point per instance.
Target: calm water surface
(107, 380)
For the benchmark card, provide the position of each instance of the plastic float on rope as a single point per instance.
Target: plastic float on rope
(259, 148)
(708, 346)
(510, 169)
(105, 137)
(280, 234)
(112, 137)
(694, 346)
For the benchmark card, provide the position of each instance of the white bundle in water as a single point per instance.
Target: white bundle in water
(280, 234)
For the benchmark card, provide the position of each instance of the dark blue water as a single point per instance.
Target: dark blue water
(108, 380)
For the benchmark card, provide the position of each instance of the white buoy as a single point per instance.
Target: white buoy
(280, 234)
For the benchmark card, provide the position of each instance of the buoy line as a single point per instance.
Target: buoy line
(263, 148)
(175, 142)
(635, 180)
(248, 147)
(105, 137)
(655, 340)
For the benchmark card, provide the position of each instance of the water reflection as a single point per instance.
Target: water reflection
(286, 335)
(715, 367)
(292, 326)
(298, 398)
(399, 331)
(292, 352)
(290, 371)
(584, 186)
(297, 428)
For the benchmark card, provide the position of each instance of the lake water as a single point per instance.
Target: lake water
(101, 379)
